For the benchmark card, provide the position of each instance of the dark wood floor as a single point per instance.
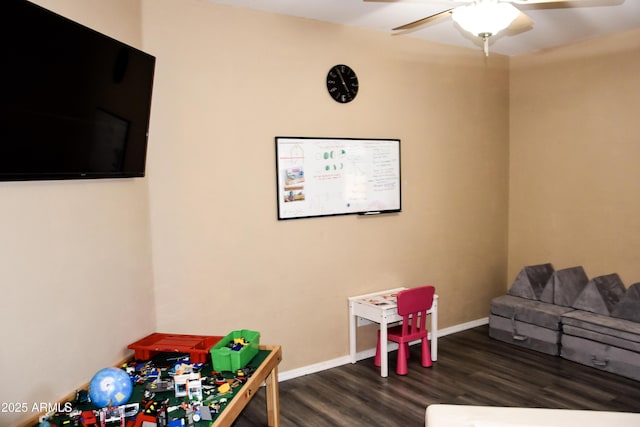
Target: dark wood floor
(472, 369)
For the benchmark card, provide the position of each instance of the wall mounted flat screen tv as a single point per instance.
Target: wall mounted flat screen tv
(337, 176)
(74, 103)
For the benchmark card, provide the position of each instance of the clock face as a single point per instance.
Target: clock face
(342, 83)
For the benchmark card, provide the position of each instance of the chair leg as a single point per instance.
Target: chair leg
(376, 360)
(426, 353)
(401, 367)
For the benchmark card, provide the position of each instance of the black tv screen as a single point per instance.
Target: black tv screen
(74, 103)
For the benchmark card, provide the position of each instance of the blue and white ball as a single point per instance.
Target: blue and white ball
(110, 387)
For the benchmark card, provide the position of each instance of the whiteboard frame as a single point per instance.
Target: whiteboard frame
(280, 170)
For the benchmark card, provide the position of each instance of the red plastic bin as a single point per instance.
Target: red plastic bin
(197, 346)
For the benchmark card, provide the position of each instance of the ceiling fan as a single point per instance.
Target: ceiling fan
(483, 18)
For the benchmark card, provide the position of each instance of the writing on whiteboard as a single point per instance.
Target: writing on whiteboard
(329, 176)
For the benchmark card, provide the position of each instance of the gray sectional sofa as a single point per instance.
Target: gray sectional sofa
(595, 322)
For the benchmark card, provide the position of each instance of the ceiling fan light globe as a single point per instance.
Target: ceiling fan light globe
(485, 17)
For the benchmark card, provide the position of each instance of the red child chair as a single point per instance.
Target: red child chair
(412, 306)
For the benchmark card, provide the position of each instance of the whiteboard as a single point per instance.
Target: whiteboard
(337, 176)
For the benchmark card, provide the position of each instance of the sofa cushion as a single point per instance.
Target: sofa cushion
(529, 311)
(564, 286)
(628, 307)
(605, 325)
(601, 294)
(531, 280)
(606, 339)
(525, 335)
(601, 356)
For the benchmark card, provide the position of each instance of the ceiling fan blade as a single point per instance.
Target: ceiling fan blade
(562, 4)
(569, 3)
(520, 24)
(539, 1)
(419, 1)
(423, 21)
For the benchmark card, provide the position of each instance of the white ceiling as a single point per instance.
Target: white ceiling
(553, 26)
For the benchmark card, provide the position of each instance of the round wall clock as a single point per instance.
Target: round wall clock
(342, 83)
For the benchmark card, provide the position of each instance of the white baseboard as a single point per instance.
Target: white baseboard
(334, 363)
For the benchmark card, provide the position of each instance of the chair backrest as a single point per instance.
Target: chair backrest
(413, 304)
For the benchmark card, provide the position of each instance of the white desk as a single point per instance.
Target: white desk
(381, 307)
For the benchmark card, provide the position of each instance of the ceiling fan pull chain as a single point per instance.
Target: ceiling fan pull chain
(485, 38)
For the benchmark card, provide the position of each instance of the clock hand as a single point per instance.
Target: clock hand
(342, 80)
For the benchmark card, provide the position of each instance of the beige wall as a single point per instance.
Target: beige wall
(79, 281)
(119, 19)
(227, 82)
(574, 149)
(76, 273)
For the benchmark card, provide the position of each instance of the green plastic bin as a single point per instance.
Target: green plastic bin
(226, 359)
